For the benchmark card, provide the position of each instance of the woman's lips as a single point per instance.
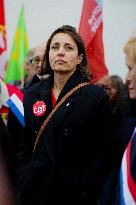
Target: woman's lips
(60, 61)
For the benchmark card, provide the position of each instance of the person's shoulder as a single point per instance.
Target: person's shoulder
(33, 88)
(34, 80)
(95, 93)
(96, 90)
(37, 86)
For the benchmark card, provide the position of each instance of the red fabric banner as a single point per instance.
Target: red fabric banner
(90, 29)
(3, 43)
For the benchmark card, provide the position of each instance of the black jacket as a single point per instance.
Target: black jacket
(7, 150)
(13, 122)
(75, 153)
(127, 129)
(14, 126)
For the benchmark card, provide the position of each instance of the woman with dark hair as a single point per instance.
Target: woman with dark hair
(119, 102)
(119, 99)
(69, 160)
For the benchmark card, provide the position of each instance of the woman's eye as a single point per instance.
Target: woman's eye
(54, 47)
(129, 68)
(68, 48)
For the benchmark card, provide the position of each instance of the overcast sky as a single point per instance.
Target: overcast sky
(43, 16)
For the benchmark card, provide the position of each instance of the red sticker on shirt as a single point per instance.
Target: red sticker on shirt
(39, 108)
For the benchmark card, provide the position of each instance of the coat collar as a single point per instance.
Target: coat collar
(44, 87)
(73, 81)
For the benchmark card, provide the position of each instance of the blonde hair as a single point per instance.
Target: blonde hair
(130, 48)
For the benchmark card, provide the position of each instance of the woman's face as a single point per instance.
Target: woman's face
(131, 77)
(63, 53)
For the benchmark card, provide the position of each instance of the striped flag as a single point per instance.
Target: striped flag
(3, 43)
(128, 174)
(15, 103)
(90, 29)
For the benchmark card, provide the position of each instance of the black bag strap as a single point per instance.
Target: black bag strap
(54, 110)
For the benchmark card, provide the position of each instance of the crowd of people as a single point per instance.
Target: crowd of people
(78, 142)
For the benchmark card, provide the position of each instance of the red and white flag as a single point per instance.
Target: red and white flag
(90, 29)
(3, 43)
(128, 174)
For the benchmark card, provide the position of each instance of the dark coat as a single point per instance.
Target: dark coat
(75, 153)
(13, 122)
(12, 119)
(128, 125)
(7, 149)
(127, 129)
(15, 128)
(31, 82)
(119, 108)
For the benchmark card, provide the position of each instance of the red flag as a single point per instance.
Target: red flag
(90, 29)
(3, 44)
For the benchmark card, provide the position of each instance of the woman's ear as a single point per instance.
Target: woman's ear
(80, 58)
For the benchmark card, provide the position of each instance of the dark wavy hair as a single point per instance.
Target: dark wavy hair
(70, 30)
(122, 94)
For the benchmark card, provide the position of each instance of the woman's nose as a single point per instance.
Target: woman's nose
(127, 80)
(61, 51)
